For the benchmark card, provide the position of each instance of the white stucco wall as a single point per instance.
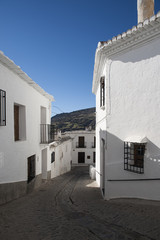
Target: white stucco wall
(14, 154)
(101, 116)
(89, 142)
(133, 99)
(62, 163)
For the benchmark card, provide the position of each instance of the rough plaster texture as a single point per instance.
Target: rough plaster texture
(14, 154)
(132, 109)
(63, 159)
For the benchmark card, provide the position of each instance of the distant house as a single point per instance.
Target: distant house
(126, 83)
(25, 132)
(83, 146)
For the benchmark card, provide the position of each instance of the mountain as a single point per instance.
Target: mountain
(77, 120)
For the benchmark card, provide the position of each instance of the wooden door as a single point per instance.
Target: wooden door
(81, 157)
(31, 168)
(138, 155)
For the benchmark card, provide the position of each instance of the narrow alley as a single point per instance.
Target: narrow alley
(70, 207)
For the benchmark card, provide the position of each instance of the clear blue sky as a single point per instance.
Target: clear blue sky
(54, 42)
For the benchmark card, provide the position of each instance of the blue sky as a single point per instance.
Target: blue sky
(54, 42)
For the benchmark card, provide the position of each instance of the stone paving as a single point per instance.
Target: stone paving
(70, 207)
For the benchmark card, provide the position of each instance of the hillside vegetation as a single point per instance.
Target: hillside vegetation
(77, 120)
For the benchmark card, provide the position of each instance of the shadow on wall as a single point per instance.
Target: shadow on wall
(139, 54)
(112, 160)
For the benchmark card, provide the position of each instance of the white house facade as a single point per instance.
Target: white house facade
(127, 88)
(25, 132)
(61, 158)
(83, 146)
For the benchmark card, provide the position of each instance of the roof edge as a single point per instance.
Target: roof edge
(18, 71)
(147, 30)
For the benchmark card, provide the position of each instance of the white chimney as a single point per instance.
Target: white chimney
(145, 9)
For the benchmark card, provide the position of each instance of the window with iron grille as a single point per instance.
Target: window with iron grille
(134, 157)
(2, 108)
(102, 92)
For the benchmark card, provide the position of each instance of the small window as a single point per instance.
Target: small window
(134, 157)
(94, 157)
(102, 92)
(52, 157)
(88, 157)
(2, 108)
(19, 122)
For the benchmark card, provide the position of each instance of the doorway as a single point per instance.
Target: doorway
(81, 157)
(103, 166)
(44, 163)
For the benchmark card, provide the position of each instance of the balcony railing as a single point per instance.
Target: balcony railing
(80, 145)
(47, 133)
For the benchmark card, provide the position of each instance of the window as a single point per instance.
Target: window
(102, 92)
(94, 143)
(134, 157)
(2, 108)
(19, 122)
(52, 157)
(81, 143)
(88, 157)
(94, 157)
(31, 168)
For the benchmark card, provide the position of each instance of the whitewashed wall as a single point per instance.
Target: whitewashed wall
(14, 154)
(134, 101)
(62, 163)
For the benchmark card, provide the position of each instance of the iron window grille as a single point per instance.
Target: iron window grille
(134, 157)
(2, 108)
(102, 92)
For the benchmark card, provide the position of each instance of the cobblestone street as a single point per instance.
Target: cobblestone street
(70, 207)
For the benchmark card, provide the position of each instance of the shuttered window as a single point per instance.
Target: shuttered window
(102, 92)
(2, 108)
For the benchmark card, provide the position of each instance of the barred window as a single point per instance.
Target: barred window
(134, 157)
(102, 92)
(2, 108)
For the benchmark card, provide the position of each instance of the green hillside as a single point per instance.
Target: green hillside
(77, 120)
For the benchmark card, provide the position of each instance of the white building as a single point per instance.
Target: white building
(61, 158)
(83, 146)
(126, 83)
(25, 132)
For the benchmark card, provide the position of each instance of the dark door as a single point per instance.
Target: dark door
(16, 122)
(81, 142)
(94, 157)
(31, 168)
(81, 157)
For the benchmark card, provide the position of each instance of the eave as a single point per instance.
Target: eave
(138, 35)
(17, 70)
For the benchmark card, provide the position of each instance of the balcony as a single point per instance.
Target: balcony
(78, 145)
(47, 133)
